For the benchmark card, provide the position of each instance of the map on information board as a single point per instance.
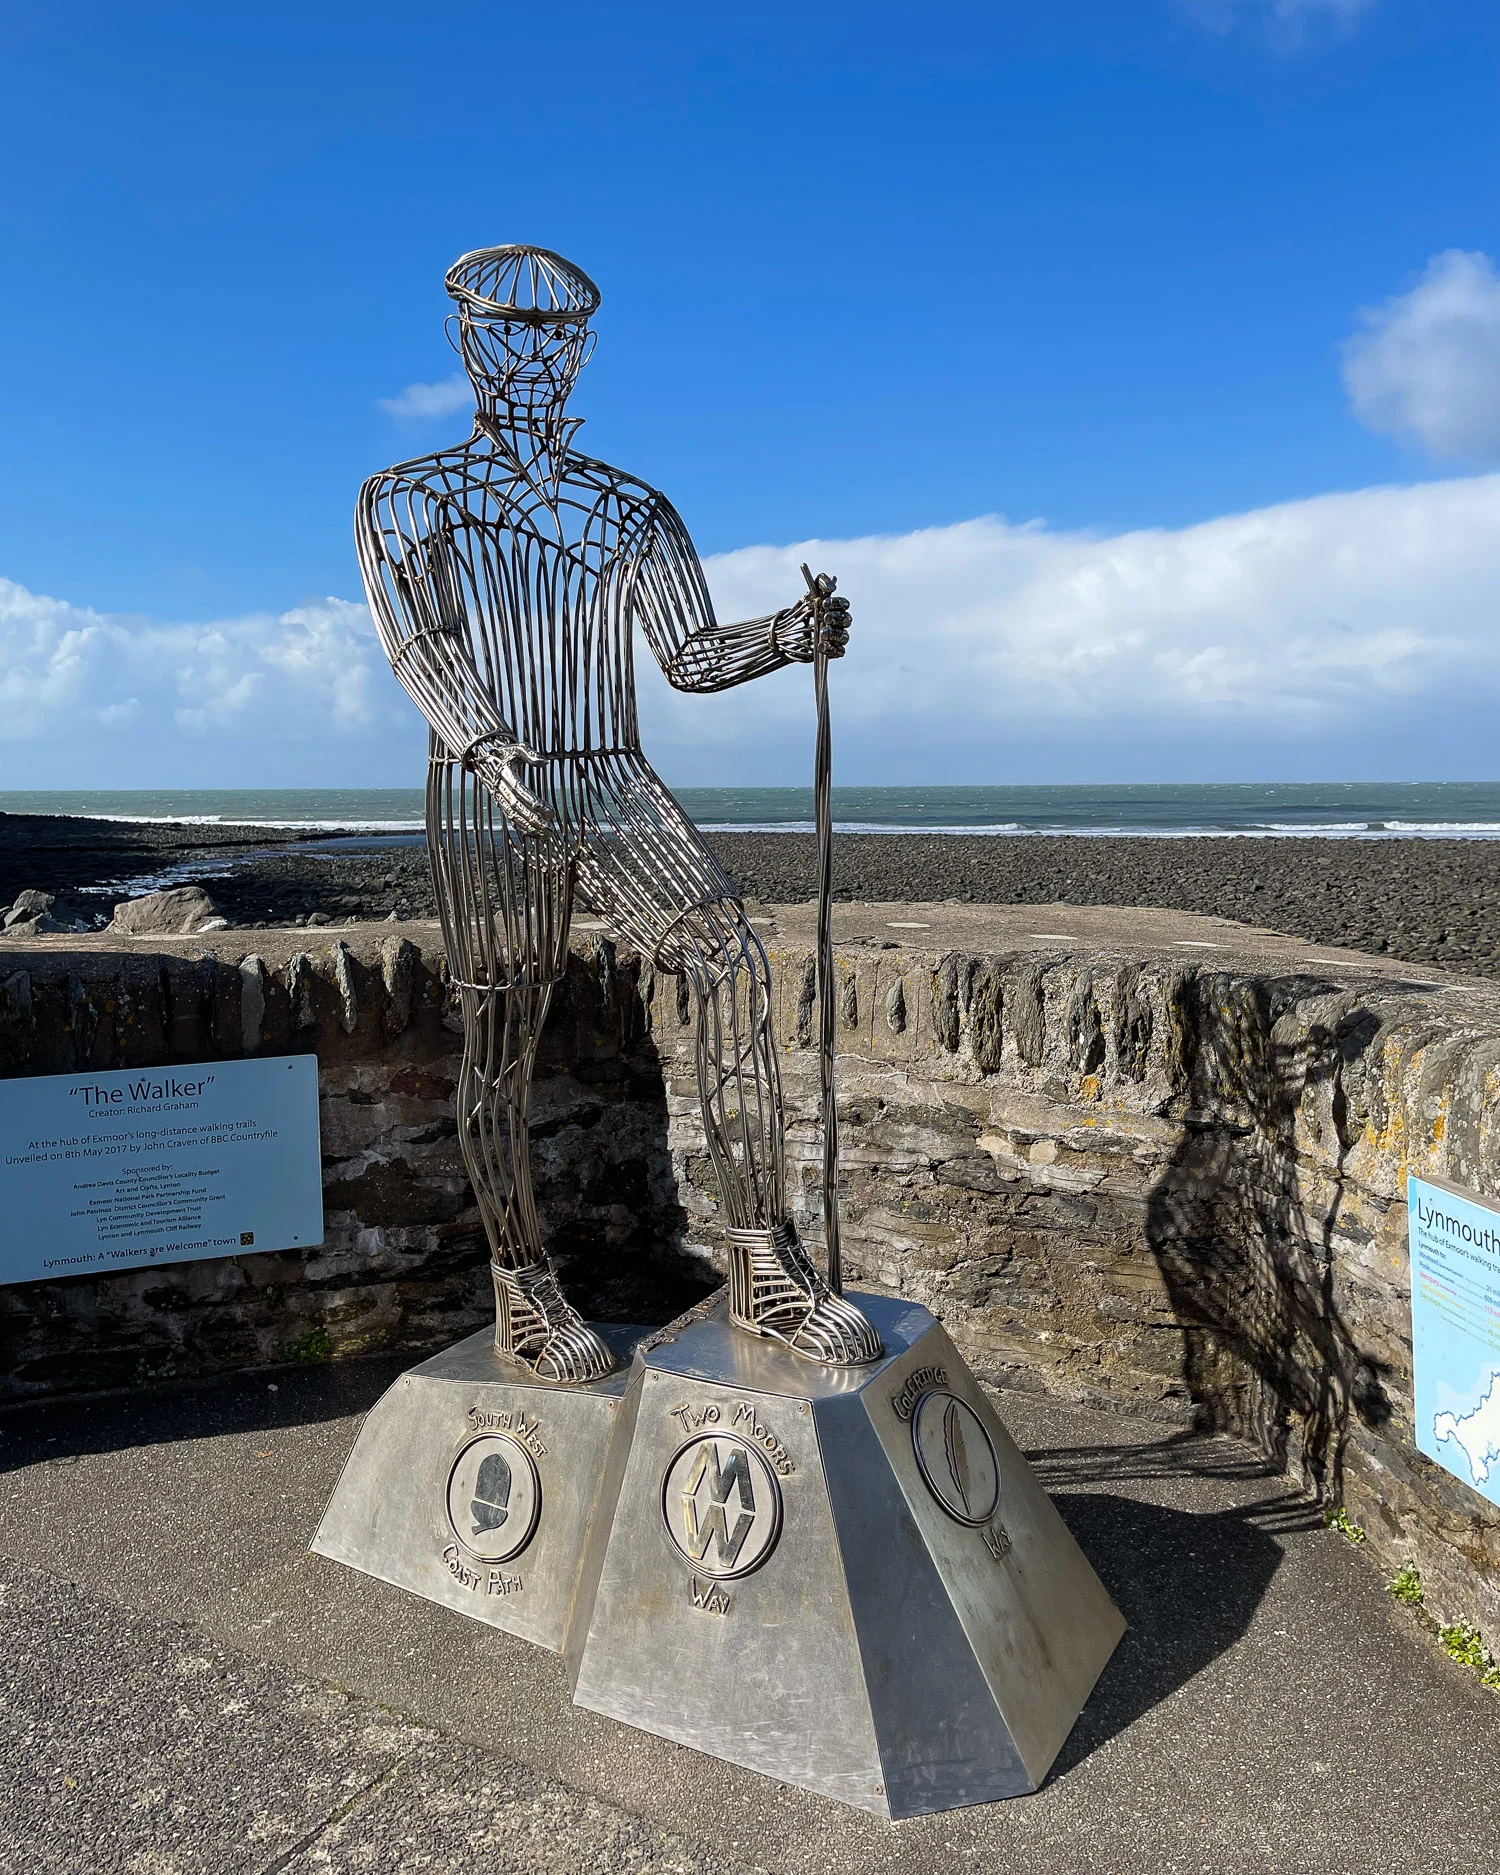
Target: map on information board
(1455, 1323)
(135, 1166)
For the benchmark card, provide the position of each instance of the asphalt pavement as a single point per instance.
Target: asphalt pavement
(185, 1690)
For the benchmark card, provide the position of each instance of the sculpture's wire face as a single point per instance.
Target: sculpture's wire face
(522, 369)
(508, 576)
(523, 330)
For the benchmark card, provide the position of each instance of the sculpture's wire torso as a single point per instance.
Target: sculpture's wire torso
(536, 573)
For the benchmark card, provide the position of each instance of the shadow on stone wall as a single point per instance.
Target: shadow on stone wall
(1242, 1226)
(607, 1189)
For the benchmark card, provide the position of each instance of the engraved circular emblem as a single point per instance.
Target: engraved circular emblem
(494, 1497)
(955, 1457)
(722, 1505)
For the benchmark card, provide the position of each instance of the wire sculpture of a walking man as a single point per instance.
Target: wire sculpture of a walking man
(506, 576)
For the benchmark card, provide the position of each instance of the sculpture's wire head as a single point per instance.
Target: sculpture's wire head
(523, 325)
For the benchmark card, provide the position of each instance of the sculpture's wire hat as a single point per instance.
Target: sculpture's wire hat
(521, 285)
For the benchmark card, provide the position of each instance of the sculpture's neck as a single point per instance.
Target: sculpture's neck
(538, 440)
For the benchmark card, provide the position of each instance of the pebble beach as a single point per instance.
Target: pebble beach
(1431, 901)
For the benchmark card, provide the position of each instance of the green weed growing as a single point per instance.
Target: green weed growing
(1340, 1520)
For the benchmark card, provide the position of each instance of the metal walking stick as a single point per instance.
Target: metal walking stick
(821, 587)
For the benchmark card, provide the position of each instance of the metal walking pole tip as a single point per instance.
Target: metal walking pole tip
(820, 587)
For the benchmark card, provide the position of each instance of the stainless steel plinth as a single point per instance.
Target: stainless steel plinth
(477, 1486)
(845, 1578)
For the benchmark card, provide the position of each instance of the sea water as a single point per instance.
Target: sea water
(1328, 810)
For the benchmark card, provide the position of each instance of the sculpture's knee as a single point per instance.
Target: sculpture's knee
(500, 1035)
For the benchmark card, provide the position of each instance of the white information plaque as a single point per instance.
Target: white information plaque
(1455, 1324)
(158, 1165)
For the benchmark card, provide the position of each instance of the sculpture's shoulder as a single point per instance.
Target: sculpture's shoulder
(423, 483)
(637, 500)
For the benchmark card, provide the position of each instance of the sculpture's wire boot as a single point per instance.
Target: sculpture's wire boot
(536, 1326)
(774, 1290)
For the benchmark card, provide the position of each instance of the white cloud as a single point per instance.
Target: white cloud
(1290, 635)
(418, 402)
(1288, 19)
(91, 686)
(1347, 635)
(49, 652)
(1426, 367)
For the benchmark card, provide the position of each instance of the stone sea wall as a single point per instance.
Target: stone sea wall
(404, 1263)
(1119, 1173)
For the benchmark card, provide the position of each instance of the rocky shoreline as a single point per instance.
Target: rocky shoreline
(1426, 901)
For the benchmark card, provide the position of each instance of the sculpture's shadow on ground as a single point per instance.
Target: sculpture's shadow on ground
(1187, 1581)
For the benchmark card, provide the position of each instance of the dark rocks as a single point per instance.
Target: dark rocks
(1028, 1016)
(252, 1003)
(972, 1172)
(849, 1002)
(1432, 901)
(181, 911)
(42, 926)
(398, 960)
(32, 916)
(391, 1192)
(28, 905)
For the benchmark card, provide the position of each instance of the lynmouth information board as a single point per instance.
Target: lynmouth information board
(158, 1165)
(1455, 1322)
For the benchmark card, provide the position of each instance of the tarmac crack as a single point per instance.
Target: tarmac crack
(335, 1816)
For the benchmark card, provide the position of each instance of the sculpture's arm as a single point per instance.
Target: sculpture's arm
(694, 650)
(408, 561)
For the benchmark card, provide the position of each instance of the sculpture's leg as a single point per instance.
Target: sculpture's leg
(504, 899)
(774, 1288)
(644, 867)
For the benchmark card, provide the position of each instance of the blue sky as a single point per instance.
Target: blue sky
(867, 271)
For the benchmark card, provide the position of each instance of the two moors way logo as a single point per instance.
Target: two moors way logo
(706, 1512)
(722, 1505)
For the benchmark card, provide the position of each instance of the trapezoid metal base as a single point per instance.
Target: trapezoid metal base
(476, 1485)
(845, 1578)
